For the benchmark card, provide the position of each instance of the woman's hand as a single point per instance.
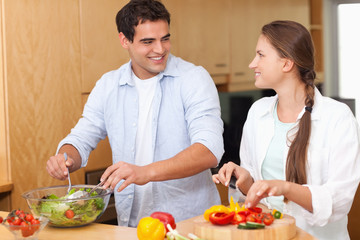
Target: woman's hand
(243, 182)
(265, 188)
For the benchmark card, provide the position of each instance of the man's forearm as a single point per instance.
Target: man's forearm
(73, 153)
(188, 162)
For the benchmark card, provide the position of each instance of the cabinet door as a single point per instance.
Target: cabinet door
(247, 19)
(200, 33)
(100, 46)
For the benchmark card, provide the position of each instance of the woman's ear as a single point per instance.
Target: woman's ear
(123, 40)
(288, 65)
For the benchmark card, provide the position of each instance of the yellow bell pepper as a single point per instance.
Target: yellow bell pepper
(150, 229)
(235, 207)
(215, 208)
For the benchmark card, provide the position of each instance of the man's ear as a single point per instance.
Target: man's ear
(288, 65)
(124, 41)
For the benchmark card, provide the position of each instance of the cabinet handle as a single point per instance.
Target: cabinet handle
(220, 65)
(239, 74)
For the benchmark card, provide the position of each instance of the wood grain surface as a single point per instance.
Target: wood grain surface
(281, 229)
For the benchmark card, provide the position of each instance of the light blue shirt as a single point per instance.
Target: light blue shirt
(186, 110)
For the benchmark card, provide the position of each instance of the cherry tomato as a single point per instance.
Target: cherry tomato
(17, 221)
(1, 219)
(18, 212)
(238, 218)
(26, 230)
(35, 223)
(257, 218)
(268, 219)
(69, 214)
(29, 217)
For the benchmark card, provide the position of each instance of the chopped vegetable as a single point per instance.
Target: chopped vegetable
(238, 218)
(215, 208)
(221, 218)
(150, 229)
(268, 219)
(165, 218)
(277, 214)
(174, 235)
(251, 225)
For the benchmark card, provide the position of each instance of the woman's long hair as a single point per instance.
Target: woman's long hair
(293, 41)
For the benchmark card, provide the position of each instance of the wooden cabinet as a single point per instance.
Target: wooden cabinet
(200, 34)
(247, 19)
(101, 50)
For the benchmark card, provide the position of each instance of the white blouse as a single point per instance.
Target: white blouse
(333, 171)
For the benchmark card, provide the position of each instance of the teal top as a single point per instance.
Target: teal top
(274, 164)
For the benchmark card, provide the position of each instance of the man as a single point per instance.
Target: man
(162, 117)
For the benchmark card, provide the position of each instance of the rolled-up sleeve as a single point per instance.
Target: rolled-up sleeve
(332, 199)
(202, 111)
(90, 129)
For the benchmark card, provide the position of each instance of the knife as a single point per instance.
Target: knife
(233, 190)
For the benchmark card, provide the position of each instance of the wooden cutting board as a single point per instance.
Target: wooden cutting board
(280, 229)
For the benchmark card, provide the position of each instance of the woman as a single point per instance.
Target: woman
(299, 150)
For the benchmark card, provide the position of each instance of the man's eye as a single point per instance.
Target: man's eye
(165, 39)
(147, 42)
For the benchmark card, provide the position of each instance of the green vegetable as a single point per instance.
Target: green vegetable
(85, 211)
(251, 225)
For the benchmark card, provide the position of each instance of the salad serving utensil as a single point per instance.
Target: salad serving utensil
(66, 158)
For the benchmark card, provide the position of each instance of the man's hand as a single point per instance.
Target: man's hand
(122, 170)
(57, 168)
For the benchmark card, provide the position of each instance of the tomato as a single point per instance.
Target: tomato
(257, 218)
(35, 224)
(10, 219)
(17, 221)
(221, 218)
(29, 217)
(18, 212)
(238, 218)
(1, 219)
(69, 214)
(268, 219)
(26, 230)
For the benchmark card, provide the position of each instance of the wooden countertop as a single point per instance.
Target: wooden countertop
(110, 232)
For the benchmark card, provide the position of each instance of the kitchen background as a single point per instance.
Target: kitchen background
(53, 52)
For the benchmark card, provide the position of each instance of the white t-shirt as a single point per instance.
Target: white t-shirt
(144, 145)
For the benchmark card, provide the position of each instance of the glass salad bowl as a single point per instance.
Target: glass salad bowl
(73, 209)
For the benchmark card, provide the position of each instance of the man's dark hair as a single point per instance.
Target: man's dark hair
(138, 11)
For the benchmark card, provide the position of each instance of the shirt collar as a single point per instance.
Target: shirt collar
(315, 114)
(170, 70)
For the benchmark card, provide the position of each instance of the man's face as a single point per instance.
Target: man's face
(150, 48)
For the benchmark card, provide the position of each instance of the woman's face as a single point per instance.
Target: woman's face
(267, 65)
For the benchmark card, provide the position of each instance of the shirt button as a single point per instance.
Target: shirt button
(130, 196)
(134, 124)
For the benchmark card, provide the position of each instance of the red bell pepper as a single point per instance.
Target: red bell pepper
(165, 218)
(221, 218)
(255, 209)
